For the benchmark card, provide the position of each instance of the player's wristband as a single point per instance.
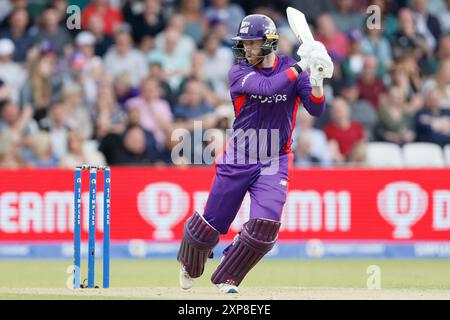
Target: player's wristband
(297, 68)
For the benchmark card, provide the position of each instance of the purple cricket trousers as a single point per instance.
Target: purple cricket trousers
(267, 184)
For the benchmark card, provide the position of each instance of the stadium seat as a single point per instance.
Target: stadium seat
(423, 154)
(447, 155)
(384, 154)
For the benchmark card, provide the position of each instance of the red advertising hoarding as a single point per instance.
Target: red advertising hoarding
(152, 203)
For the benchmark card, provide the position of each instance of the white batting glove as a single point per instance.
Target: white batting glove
(320, 66)
(305, 50)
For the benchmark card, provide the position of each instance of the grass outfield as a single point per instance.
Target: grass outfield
(271, 279)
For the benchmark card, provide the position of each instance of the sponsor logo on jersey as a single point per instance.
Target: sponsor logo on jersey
(270, 99)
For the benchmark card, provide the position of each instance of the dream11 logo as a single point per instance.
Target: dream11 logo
(402, 204)
(163, 205)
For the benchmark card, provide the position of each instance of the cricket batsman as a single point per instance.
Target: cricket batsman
(266, 90)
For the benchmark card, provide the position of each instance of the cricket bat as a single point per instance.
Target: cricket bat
(299, 26)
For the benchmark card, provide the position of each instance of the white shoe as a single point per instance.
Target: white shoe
(186, 282)
(227, 288)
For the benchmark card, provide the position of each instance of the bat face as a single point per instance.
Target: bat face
(299, 25)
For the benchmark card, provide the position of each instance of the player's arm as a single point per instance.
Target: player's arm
(312, 97)
(245, 81)
(313, 57)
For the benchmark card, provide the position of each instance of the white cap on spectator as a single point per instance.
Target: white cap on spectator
(85, 38)
(6, 47)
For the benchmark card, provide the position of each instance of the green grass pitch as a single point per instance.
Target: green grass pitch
(26, 275)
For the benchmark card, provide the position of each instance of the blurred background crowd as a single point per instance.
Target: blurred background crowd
(113, 91)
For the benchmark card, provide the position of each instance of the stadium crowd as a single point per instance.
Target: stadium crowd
(113, 91)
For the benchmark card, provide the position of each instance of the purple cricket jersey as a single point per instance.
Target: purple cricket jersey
(263, 99)
(269, 98)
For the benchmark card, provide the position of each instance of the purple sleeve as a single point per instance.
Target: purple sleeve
(247, 81)
(314, 105)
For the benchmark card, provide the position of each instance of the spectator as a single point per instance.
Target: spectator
(123, 58)
(361, 111)
(426, 24)
(310, 144)
(138, 147)
(19, 34)
(44, 85)
(131, 148)
(111, 17)
(232, 14)
(80, 118)
(433, 121)
(198, 72)
(409, 64)
(79, 153)
(11, 73)
(8, 8)
(102, 41)
(155, 114)
(192, 103)
(41, 148)
(441, 82)
(348, 135)
(346, 17)
(8, 154)
(184, 45)
(395, 124)
(51, 31)
(442, 53)
(88, 67)
(352, 66)
(18, 123)
(400, 77)
(218, 61)
(335, 41)
(176, 64)
(407, 40)
(58, 125)
(109, 117)
(157, 72)
(85, 44)
(377, 45)
(195, 23)
(149, 23)
(218, 27)
(193, 106)
(370, 87)
(123, 90)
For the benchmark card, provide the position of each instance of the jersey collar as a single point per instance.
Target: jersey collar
(273, 67)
